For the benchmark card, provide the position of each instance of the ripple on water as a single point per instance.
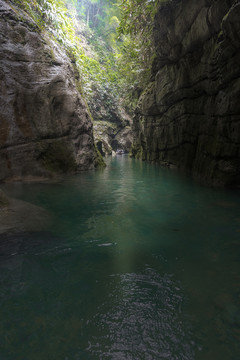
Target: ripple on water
(142, 320)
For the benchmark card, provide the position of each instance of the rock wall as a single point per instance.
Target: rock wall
(111, 123)
(189, 115)
(45, 127)
(112, 135)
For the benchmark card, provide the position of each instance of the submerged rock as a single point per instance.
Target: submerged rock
(189, 114)
(19, 216)
(45, 127)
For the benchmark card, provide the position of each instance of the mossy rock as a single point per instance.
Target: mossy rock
(136, 151)
(99, 162)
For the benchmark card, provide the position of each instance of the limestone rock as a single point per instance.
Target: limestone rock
(189, 115)
(20, 216)
(110, 136)
(45, 127)
(103, 132)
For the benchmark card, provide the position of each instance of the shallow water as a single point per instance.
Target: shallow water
(138, 263)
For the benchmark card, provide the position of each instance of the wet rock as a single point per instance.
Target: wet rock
(110, 136)
(104, 132)
(45, 127)
(189, 114)
(123, 139)
(20, 216)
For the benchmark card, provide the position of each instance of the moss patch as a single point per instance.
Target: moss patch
(136, 151)
(99, 162)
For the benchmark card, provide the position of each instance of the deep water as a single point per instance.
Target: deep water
(138, 263)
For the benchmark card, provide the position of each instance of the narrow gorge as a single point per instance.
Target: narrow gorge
(119, 179)
(186, 117)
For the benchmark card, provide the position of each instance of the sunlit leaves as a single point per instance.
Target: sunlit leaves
(119, 33)
(135, 33)
(55, 15)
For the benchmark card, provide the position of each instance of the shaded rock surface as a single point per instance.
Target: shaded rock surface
(17, 216)
(111, 119)
(110, 136)
(45, 127)
(189, 115)
(111, 125)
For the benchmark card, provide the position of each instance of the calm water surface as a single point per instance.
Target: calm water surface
(138, 263)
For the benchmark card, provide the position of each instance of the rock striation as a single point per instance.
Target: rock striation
(189, 115)
(45, 127)
(113, 133)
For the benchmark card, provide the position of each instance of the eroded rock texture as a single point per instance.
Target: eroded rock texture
(189, 116)
(111, 123)
(45, 127)
(112, 135)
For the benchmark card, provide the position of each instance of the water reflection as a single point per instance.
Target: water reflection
(142, 319)
(138, 263)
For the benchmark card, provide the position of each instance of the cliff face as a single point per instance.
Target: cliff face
(45, 127)
(111, 125)
(114, 133)
(189, 116)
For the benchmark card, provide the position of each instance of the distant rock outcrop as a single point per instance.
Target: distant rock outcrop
(189, 116)
(113, 133)
(45, 127)
(111, 123)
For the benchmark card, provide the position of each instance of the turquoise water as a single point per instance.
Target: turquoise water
(138, 262)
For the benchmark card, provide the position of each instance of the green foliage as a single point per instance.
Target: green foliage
(55, 15)
(137, 50)
(137, 16)
(119, 33)
(99, 162)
